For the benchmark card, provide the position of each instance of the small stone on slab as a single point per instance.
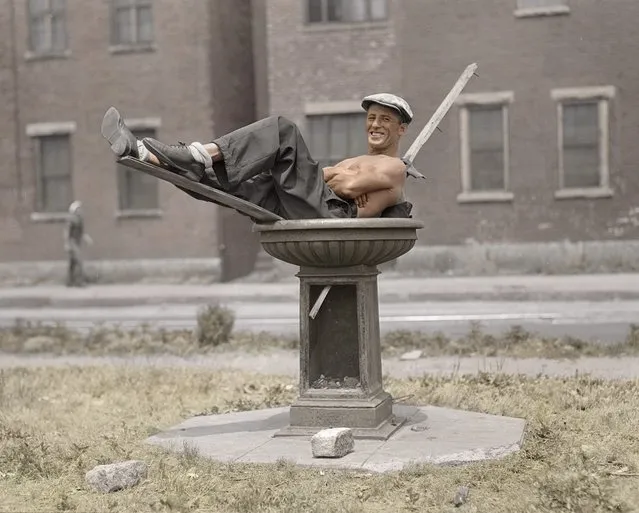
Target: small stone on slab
(461, 496)
(412, 355)
(332, 443)
(117, 476)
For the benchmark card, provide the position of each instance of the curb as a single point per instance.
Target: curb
(507, 296)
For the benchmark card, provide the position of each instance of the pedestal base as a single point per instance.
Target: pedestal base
(368, 419)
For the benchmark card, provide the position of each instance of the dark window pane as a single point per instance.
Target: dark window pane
(581, 124)
(378, 9)
(58, 33)
(144, 191)
(357, 130)
(39, 34)
(123, 26)
(38, 7)
(332, 138)
(487, 170)
(486, 140)
(581, 144)
(315, 11)
(54, 160)
(318, 137)
(356, 10)
(339, 137)
(335, 11)
(145, 24)
(56, 194)
(486, 128)
(581, 167)
(54, 155)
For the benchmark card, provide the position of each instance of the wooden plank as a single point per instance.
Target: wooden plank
(320, 300)
(439, 114)
(258, 214)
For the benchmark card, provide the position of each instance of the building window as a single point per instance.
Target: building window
(132, 22)
(47, 27)
(527, 8)
(345, 11)
(137, 191)
(583, 141)
(485, 146)
(334, 137)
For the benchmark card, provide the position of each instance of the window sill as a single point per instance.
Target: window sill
(132, 48)
(139, 214)
(485, 197)
(49, 217)
(46, 56)
(344, 26)
(587, 193)
(536, 12)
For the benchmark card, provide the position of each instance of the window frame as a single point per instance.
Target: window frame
(602, 96)
(331, 108)
(138, 124)
(136, 45)
(36, 131)
(49, 53)
(465, 103)
(326, 23)
(561, 8)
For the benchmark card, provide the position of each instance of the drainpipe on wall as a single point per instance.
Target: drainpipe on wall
(16, 101)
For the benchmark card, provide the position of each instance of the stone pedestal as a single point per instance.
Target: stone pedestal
(340, 352)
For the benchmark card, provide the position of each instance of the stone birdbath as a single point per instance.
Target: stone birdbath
(340, 352)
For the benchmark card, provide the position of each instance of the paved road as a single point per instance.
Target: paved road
(604, 321)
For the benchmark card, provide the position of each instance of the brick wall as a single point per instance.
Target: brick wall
(11, 231)
(592, 46)
(325, 63)
(172, 82)
(420, 53)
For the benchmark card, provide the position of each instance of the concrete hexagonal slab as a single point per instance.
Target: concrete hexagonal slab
(430, 435)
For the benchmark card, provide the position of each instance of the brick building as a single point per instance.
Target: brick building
(62, 64)
(540, 147)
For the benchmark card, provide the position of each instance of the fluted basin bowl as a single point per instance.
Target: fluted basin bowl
(338, 242)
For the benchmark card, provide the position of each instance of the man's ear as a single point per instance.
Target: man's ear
(402, 128)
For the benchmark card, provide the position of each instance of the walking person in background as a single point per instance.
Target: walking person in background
(73, 240)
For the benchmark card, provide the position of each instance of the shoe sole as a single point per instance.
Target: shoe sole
(113, 131)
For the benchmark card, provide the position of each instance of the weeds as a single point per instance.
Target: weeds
(579, 453)
(214, 325)
(215, 333)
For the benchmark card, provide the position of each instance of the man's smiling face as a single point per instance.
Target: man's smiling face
(384, 128)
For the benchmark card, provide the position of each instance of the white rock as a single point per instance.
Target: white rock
(332, 443)
(117, 476)
(411, 355)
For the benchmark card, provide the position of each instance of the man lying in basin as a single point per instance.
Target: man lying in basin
(268, 164)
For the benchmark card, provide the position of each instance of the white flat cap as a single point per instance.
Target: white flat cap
(392, 101)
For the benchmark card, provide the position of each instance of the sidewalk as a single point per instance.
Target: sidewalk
(601, 287)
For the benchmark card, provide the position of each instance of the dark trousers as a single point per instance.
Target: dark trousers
(268, 164)
(75, 271)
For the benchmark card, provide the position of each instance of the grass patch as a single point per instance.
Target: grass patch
(57, 423)
(214, 333)
(516, 342)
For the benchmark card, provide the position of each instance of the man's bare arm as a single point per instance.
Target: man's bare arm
(330, 172)
(386, 174)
